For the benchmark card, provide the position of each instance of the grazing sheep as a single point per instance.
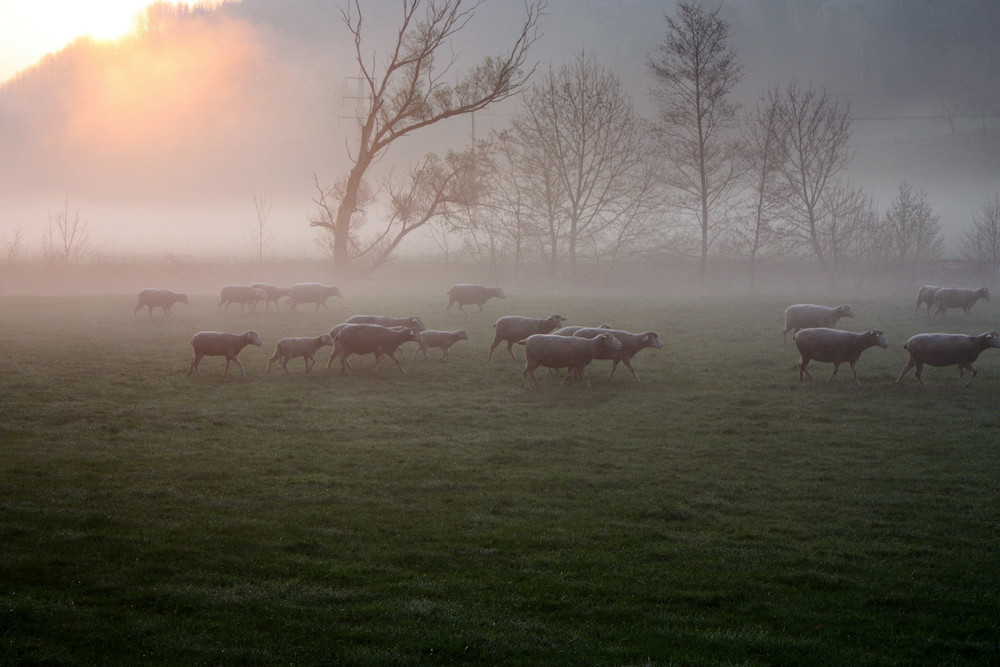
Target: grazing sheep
(938, 349)
(466, 295)
(272, 292)
(311, 293)
(957, 297)
(632, 343)
(245, 295)
(372, 339)
(836, 346)
(513, 329)
(159, 298)
(216, 344)
(925, 295)
(411, 322)
(569, 352)
(811, 316)
(290, 348)
(442, 340)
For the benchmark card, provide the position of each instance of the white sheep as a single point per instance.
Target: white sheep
(372, 339)
(245, 295)
(411, 322)
(811, 316)
(568, 352)
(939, 349)
(311, 293)
(514, 328)
(834, 346)
(305, 347)
(957, 297)
(272, 292)
(159, 298)
(632, 344)
(217, 344)
(925, 295)
(465, 295)
(443, 340)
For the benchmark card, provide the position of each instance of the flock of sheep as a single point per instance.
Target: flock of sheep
(813, 331)
(547, 343)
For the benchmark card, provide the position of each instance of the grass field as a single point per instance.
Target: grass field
(718, 512)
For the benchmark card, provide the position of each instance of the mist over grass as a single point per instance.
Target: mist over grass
(716, 512)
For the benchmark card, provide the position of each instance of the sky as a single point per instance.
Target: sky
(30, 29)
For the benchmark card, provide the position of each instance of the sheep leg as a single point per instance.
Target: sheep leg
(306, 361)
(628, 364)
(444, 354)
(270, 361)
(333, 355)
(510, 349)
(492, 347)
(971, 368)
(480, 309)
(195, 360)
(529, 372)
(392, 355)
(345, 366)
(237, 361)
(802, 370)
(836, 367)
(908, 366)
(920, 372)
(854, 369)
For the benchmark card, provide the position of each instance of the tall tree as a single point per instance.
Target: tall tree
(816, 133)
(694, 71)
(915, 229)
(258, 227)
(579, 123)
(410, 91)
(981, 242)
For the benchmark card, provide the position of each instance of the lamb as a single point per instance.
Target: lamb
(809, 316)
(290, 348)
(465, 294)
(514, 328)
(245, 295)
(836, 346)
(272, 292)
(216, 344)
(938, 349)
(311, 293)
(372, 339)
(159, 298)
(442, 340)
(925, 295)
(573, 352)
(411, 322)
(632, 343)
(957, 297)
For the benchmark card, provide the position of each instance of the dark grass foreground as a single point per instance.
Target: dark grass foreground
(716, 513)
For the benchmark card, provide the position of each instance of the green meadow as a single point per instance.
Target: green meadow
(717, 512)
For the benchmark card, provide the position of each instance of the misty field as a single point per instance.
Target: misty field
(717, 512)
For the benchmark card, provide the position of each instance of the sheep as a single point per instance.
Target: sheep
(925, 295)
(290, 348)
(809, 316)
(465, 294)
(939, 349)
(216, 344)
(311, 293)
(836, 346)
(632, 343)
(245, 295)
(272, 292)
(372, 339)
(159, 298)
(513, 328)
(442, 340)
(957, 297)
(411, 322)
(569, 331)
(573, 352)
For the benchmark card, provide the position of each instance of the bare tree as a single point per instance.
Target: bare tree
(695, 71)
(14, 244)
(815, 132)
(981, 242)
(66, 239)
(409, 91)
(580, 124)
(754, 232)
(258, 228)
(915, 229)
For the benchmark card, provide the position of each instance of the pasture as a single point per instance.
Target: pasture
(718, 512)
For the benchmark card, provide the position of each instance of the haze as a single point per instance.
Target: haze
(158, 143)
